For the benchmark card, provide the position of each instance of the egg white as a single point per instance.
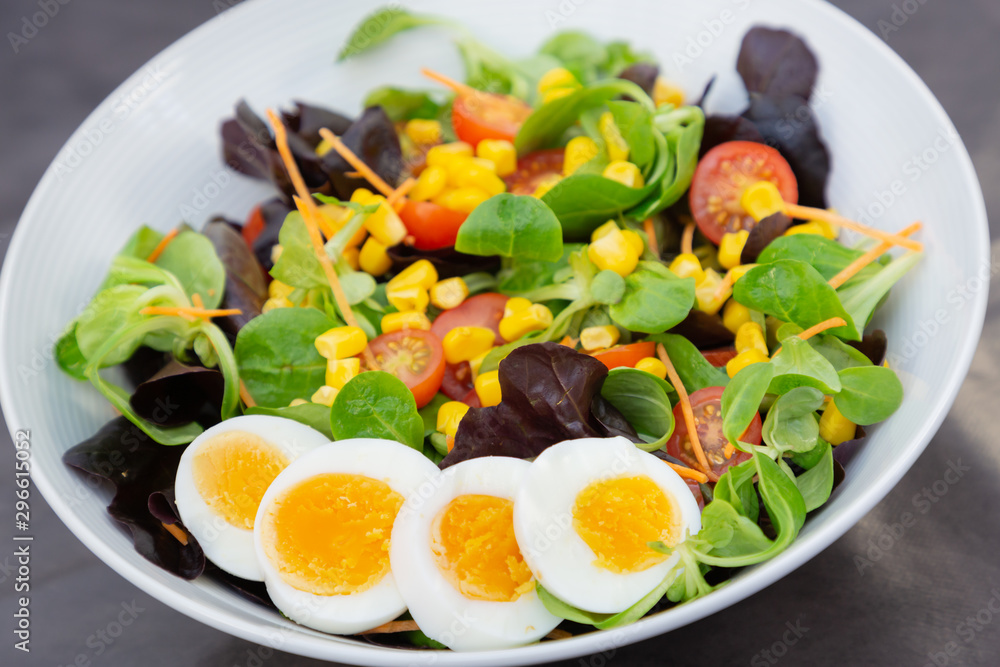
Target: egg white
(543, 521)
(406, 471)
(441, 611)
(228, 546)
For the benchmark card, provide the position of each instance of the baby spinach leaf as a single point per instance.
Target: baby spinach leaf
(557, 607)
(635, 122)
(860, 299)
(311, 414)
(191, 258)
(691, 365)
(583, 201)
(816, 484)
(681, 136)
(380, 26)
(142, 243)
(277, 355)
(512, 226)
(376, 404)
(793, 291)
(428, 413)
(577, 51)
(736, 488)
(826, 256)
(655, 299)
(608, 288)
(799, 365)
(742, 398)
(641, 398)
(783, 501)
(111, 311)
(640, 608)
(68, 355)
(298, 265)
(745, 538)
(522, 275)
(838, 353)
(870, 394)
(401, 104)
(791, 424)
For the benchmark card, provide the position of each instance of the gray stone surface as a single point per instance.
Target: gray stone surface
(920, 599)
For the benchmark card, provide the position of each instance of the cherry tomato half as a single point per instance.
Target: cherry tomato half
(533, 169)
(415, 357)
(432, 226)
(720, 357)
(487, 116)
(472, 400)
(707, 407)
(482, 310)
(254, 225)
(458, 381)
(625, 355)
(722, 176)
(696, 492)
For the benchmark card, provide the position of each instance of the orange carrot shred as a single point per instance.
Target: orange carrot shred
(726, 285)
(353, 174)
(687, 240)
(392, 626)
(728, 451)
(860, 263)
(197, 300)
(162, 245)
(686, 410)
(349, 156)
(457, 86)
(651, 239)
(689, 473)
(178, 534)
(245, 395)
(831, 323)
(396, 196)
(810, 213)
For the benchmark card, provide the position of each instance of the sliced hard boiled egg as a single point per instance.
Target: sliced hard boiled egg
(222, 476)
(585, 515)
(323, 530)
(457, 563)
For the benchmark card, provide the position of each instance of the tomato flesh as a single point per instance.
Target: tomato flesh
(696, 492)
(626, 355)
(720, 357)
(535, 168)
(723, 175)
(487, 116)
(253, 227)
(415, 357)
(707, 407)
(457, 381)
(432, 226)
(482, 310)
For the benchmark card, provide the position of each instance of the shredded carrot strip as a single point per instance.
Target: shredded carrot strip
(687, 240)
(559, 634)
(178, 534)
(821, 327)
(183, 311)
(197, 300)
(686, 410)
(728, 451)
(726, 285)
(690, 473)
(810, 213)
(245, 396)
(353, 174)
(162, 245)
(857, 265)
(457, 86)
(392, 626)
(650, 230)
(396, 196)
(569, 342)
(356, 162)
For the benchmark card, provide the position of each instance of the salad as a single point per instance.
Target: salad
(502, 360)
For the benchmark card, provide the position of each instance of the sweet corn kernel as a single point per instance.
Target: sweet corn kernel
(443, 154)
(556, 93)
(278, 290)
(408, 319)
(421, 273)
(373, 257)
(613, 252)
(598, 338)
(449, 416)
(323, 147)
(652, 365)
(501, 153)
(545, 185)
(325, 395)
(707, 292)
(488, 388)
(731, 248)
(334, 217)
(607, 228)
(423, 132)
(467, 172)
(341, 342)
(412, 297)
(352, 256)
(384, 224)
(557, 77)
(430, 183)
(687, 265)
(744, 359)
(280, 302)
(340, 371)
(297, 402)
(834, 427)
(579, 151)
(635, 241)
(476, 362)
(750, 336)
(463, 200)
(516, 305)
(614, 142)
(625, 173)
(817, 227)
(464, 343)
(738, 272)
(665, 92)
(449, 293)
(535, 318)
(276, 253)
(761, 200)
(735, 315)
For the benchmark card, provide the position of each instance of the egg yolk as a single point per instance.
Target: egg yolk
(329, 535)
(231, 473)
(474, 547)
(617, 518)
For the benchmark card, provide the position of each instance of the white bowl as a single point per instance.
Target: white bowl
(150, 154)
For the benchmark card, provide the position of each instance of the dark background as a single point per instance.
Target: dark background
(915, 604)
